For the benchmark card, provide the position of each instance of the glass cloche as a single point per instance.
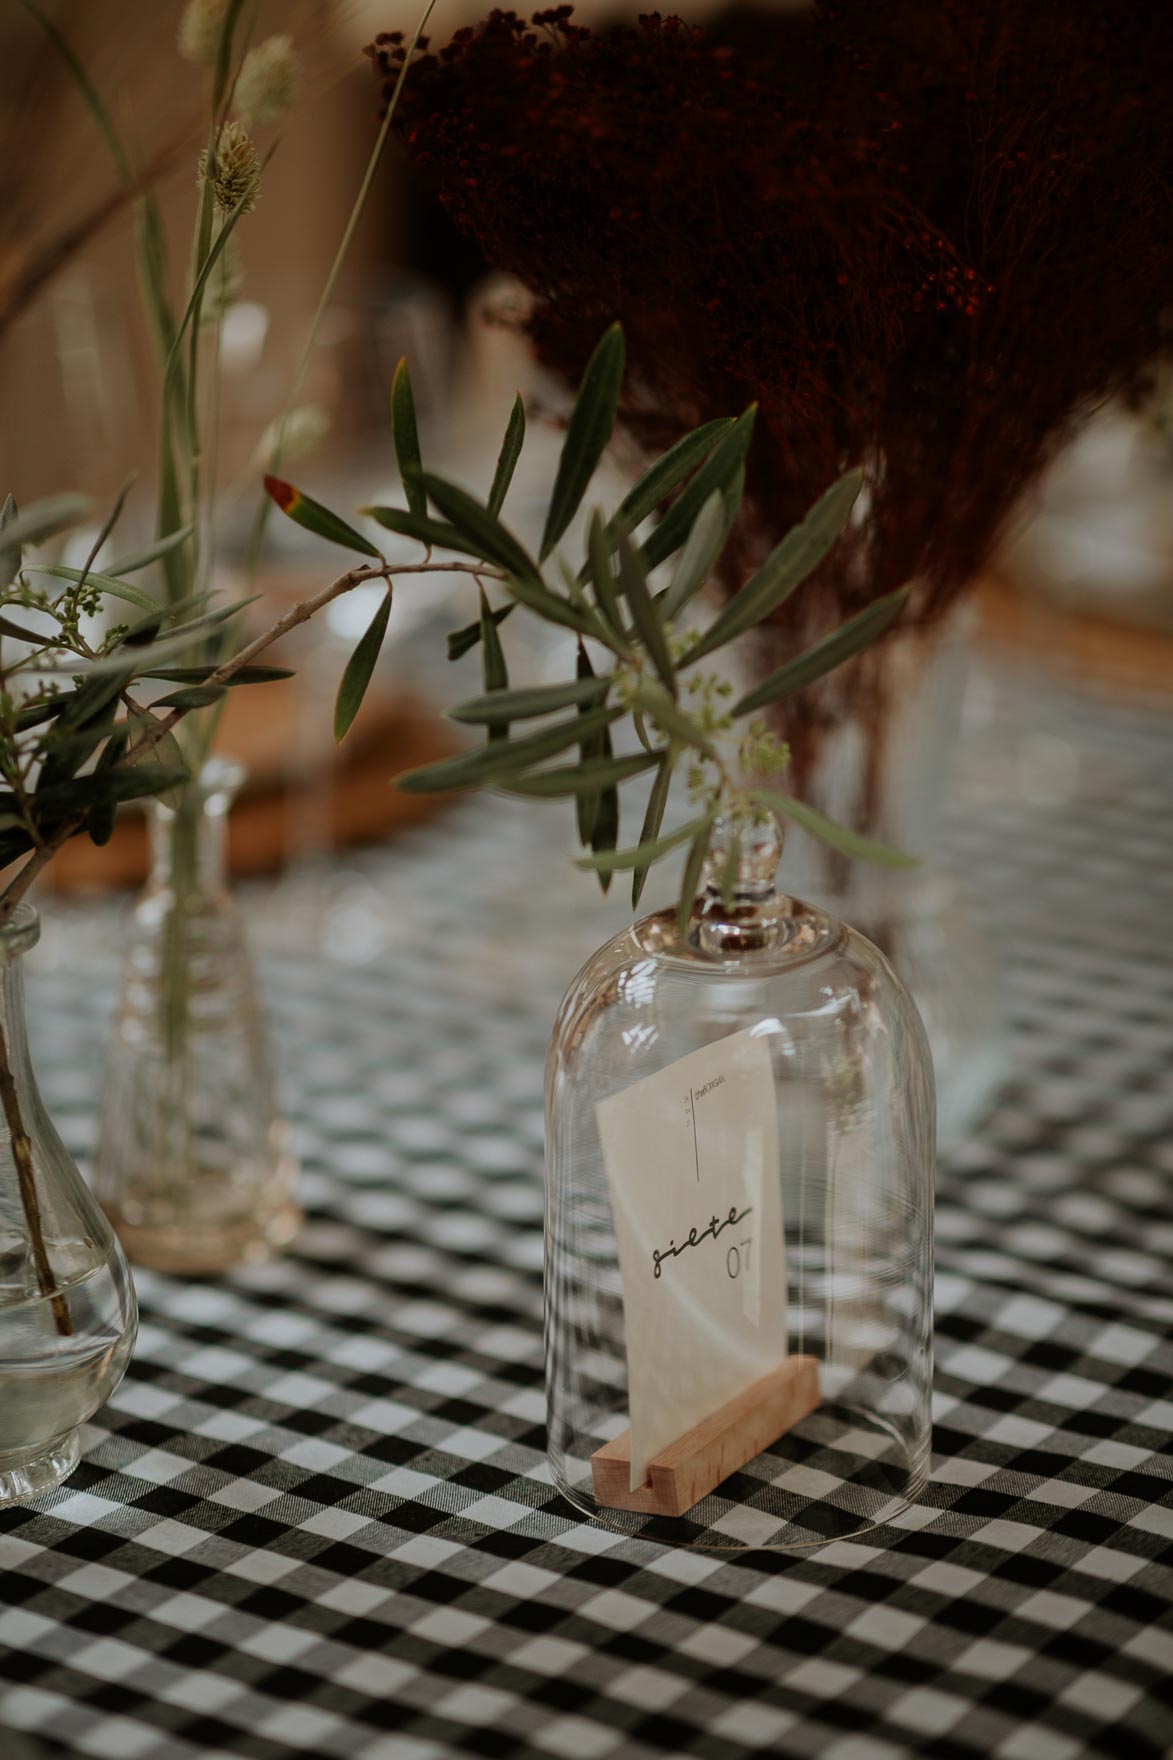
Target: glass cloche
(740, 1131)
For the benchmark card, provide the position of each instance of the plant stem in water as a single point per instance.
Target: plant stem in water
(22, 1154)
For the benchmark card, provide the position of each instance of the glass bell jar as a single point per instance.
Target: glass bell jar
(68, 1317)
(740, 1143)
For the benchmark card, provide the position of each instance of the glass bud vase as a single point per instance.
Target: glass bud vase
(740, 1148)
(193, 1164)
(67, 1310)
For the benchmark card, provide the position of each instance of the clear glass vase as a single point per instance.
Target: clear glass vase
(67, 1309)
(740, 1131)
(193, 1164)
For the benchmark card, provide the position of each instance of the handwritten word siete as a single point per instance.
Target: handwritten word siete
(694, 1239)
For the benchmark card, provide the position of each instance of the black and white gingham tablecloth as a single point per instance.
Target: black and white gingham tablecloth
(316, 1519)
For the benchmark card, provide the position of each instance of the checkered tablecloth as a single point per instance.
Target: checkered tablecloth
(316, 1518)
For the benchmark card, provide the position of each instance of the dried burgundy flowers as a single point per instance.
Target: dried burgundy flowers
(926, 236)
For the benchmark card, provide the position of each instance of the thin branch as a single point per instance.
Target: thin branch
(260, 524)
(159, 729)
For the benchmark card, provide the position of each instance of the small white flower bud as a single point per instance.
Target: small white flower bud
(268, 81)
(298, 434)
(199, 30)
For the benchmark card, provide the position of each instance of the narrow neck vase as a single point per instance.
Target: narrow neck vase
(67, 1308)
(193, 1166)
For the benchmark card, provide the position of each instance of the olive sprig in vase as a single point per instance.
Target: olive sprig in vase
(641, 661)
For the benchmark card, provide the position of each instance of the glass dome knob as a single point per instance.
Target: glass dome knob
(743, 911)
(758, 846)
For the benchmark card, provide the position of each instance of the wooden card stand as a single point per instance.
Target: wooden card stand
(691, 1466)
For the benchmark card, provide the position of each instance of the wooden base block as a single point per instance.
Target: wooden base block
(681, 1474)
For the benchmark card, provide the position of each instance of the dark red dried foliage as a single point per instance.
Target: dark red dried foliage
(925, 235)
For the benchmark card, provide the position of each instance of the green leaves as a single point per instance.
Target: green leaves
(152, 553)
(634, 586)
(198, 674)
(701, 549)
(304, 511)
(695, 489)
(645, 854)
(800, 551)
(584, 777)
(690, 882)
(522, 705)
(104, 582)
(851, 638)
(461, 641)
(43, 519)
(193, 696)
(668, 473)
(504, 758)
(407, 440)
(62, 800)
(507, 458)
(360, 668)
(834, 835)
(474, 521)
(434, 533)
(653, 819)
(718, 473)
(589, 430)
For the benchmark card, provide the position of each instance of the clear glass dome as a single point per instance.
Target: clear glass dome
(740, 1131)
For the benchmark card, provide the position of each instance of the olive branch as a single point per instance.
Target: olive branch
(559, 740)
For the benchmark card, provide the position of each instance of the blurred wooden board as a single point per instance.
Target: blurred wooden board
(290, 778)
(1118, 656)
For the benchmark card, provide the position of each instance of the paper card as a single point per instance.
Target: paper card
(692, 1165)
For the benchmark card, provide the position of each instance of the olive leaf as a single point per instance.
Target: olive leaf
(151, 553)
(584, 777)
(718, 472)
(462, 641)
(605, 831)
(670, 718)
(698, 850)
(504, 757)
(360, 669)
(645, 854)
(508, 456)
(103, 582)
(587, 434)
(787, 566)
(100, 824)
(494, 670)
(634, 586)
(473, 521)
(598, 745)
(9, 553)
(668, 473)
(434, 533)
(730, 869)
(304, 511)
(254, 674)
(43, 519)
(653, 819)
(407, 441)
(192, 696)
(701, 549)
(851, 638)
(602, 576)
(830, 832)
(531, 700)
